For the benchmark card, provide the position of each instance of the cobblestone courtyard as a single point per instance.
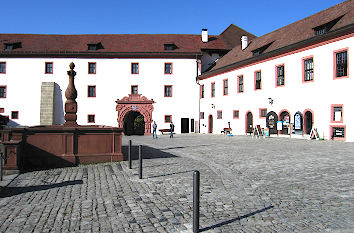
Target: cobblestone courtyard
(247, 185)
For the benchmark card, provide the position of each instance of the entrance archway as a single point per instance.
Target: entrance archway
(135, 103)
(134, 123)
(285, 118)
(298, 123)
(271, 122)
(210, 124)
(249, 122)
(308, 121)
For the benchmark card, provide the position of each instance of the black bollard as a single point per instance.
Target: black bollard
(196, 188)
(130, 154)
(140, 162)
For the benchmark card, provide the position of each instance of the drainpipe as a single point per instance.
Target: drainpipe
(197, 81)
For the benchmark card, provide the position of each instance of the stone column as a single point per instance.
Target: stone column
(70, 103)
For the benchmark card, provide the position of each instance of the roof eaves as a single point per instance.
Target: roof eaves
(348, 29)
(95, 54)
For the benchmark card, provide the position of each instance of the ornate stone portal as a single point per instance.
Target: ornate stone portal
(138, 103)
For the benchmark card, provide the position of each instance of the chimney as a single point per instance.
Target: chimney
(205, 35)
(244, 42)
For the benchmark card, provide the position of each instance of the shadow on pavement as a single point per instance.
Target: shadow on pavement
(236, 219)
(11, 191)
(148, 153)
(182, 147)
(169, 174)
(159, 165)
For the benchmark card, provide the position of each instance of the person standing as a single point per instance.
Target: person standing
(154, 127)
(172, 128)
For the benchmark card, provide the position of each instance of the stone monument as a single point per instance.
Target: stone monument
(71, 94)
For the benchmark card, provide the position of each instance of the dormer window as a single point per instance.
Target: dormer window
(12, 46)
(260, 50)
(324, 28)
(94, 47)
(170, 47)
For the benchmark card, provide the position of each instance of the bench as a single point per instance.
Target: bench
(226, 131)
(164, 131)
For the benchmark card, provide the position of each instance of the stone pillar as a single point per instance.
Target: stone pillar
(47, 103)
(70, 103)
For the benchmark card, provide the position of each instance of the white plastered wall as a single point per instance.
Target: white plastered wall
(295, 96)
(113, 80)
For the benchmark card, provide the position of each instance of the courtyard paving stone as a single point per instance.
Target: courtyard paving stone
(247, 185)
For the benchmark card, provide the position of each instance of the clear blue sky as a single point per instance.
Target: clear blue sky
(153, 17)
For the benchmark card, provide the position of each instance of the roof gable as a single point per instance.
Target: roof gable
(291, 34)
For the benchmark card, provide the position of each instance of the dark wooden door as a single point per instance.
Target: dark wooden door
(210, 124)
(249, 122)
(308, 122)
(192, 125)
(271, 122)
(184, 125)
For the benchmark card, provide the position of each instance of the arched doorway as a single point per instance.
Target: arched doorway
(285, 118)
(308, 121)
(271, 122)
(135, 103)
(210, 124)
(298, 123)
(249, 122)
(134, 123)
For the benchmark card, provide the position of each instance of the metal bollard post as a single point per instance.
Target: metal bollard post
(196, 188)
(130, 154)
(140, 162)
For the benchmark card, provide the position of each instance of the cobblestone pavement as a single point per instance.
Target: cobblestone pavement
(247, 185)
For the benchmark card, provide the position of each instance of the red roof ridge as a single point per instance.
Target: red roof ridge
(290, 34)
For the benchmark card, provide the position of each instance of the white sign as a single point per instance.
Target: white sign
(279, 125)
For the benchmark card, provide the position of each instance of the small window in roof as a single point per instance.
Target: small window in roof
(94, 47)
(170, 46)
(324, 28)
(12, 46)
(260, 50)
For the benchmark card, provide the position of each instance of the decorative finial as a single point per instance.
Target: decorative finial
(72, 65)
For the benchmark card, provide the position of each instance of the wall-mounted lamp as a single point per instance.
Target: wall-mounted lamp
(213, 106)
(270, 101)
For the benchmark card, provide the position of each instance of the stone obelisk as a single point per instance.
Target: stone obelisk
(70, 103)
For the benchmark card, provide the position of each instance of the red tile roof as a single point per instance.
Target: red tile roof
(282, 38)
(114, 44)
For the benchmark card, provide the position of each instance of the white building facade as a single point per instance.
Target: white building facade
(305, 83)
(111, 80)
(118, 77)
(320, 96)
